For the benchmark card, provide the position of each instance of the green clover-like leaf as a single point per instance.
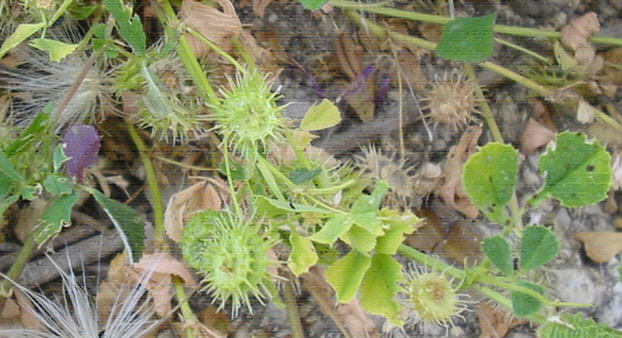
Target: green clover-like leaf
(467, 39)
(346, 275)
(490, 177)
(497, 249)
(380, 286)
(303, 254)
(578, 172)
(538, 247)
(524, 304)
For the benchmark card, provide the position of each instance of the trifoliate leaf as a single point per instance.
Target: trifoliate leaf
(524, 304)
(58, 50)
(365, 208)
(467, 39)
(334, 228)
(360, 239)
(578, 172)
(497, 249)
(399, 224)
(57, 184)
(490, 178)
(56, 216)
(303, 254)
(30, 136)
(380, 286)
(130, 27)
(538, 246)
(59, 158)
(321, 116)
(128, 224)
(22, 32)
(346, 275)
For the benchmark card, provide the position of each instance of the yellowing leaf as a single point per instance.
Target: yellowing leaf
(346, 274)
(321, 116)
(303, 254)
(58, 50)
(22, 32)
(380, 286)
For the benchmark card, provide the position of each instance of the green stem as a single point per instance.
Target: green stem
(18, 266)
(152, 182)
(184, 307)
(524, 50)
(217, 49)
(158, 215)
(486, 112)
(188, 59)
(503, 29)
(430, 261)
(234, 198)
(382, 32)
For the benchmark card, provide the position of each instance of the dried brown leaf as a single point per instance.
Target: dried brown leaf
(535, 136)
(160, 268)
(182, 205)
(356, 320)
(111, 288)
(164, 263)
(600, 246)
(27, 317)
(495, 321)
(580, 29)
(576, 34)
(452, 191)
(220, 27)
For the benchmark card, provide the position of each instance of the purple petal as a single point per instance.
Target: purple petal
(384, 88)
(81, 146)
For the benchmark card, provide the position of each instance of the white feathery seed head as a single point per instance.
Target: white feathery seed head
(75, 314)
(38, 82)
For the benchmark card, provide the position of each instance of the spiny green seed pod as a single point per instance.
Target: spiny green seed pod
(232, 255)
(433, 299)
(248, 117)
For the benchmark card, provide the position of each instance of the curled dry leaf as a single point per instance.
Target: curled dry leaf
(496, 321)
(600, 246)
(163, 263)
(580, 29)
(162, 268)
(452, 191)
(535, 136)
(22, 309)
(182, 205)
(576, 34)
(585, 112)
(617, 171)
(218, 26)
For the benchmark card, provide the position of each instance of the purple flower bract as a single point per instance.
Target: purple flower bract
(81, 146)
